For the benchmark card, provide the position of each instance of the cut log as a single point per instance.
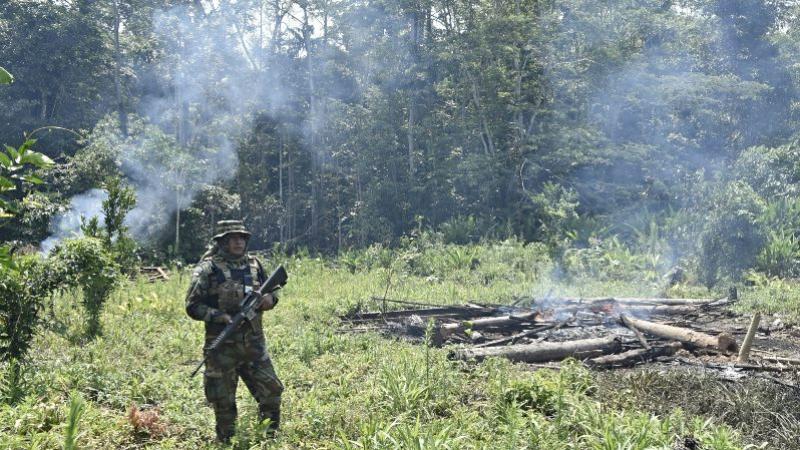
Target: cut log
(722, 342)
(609, 307)
(544, 351)
(632, 357)
(163, 273)
(638, 300)
(664, 310)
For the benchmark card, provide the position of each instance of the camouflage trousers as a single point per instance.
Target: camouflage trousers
(246, 357)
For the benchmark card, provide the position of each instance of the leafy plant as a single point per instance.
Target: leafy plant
(781, 255)
(13, 172)
(86, 263)
(18, 315)
(557, 212)
(13, 163)
(76, 409)
(22, 292)
(460, 230)
(121, 199)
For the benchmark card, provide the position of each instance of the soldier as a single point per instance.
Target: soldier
(219, 283)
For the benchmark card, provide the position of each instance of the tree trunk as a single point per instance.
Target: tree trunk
(312, 126)
(723, 342)
(412, 88)
(282, 220)
(121, 112)
(177, 222)
(544, 351)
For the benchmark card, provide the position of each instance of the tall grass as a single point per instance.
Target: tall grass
(342, 390)
(76, 409)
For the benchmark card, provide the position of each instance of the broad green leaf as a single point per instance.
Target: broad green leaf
(6, 184)
(5, 77)
(26, 146)
(6, 257)
(5, 161)
(12, 152)
(7, 209)
(36, 158)
(33, 179)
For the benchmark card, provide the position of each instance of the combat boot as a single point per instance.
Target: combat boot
(224, 436)
(226, 424)
(273, 414)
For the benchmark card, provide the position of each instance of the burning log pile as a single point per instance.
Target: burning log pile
(603, 332)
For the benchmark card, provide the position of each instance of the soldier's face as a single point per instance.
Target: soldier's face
(235, 244)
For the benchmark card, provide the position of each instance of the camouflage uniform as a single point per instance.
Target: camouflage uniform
(219, 283)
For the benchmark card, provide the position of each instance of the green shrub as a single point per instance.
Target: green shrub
(18, 315)
(86, 263)
(780, 256)
(460, 230)
(22, 293)
(557, 212)
(733, 236)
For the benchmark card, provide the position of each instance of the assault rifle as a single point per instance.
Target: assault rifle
(247, 310)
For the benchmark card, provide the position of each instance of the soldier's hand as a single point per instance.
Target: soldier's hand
(267, 302)
(221, 317)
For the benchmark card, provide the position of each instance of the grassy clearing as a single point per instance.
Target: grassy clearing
(343, 391)
(766, 414)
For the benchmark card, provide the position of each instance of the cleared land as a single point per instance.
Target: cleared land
(366, 391)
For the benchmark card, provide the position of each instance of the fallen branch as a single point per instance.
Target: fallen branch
(791, 361)
(544, 351)
(463, 311)
(488, 322)
(521, 335)
(723, 342)
(632, 357)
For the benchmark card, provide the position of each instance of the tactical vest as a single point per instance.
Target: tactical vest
(227, 287)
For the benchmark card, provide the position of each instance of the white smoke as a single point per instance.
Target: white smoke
(68, 224)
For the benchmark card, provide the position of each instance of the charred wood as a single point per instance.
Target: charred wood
(632, 357)
(457, 311)
(488, 322)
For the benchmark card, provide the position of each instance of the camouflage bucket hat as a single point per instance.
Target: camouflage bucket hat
(226, 227)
